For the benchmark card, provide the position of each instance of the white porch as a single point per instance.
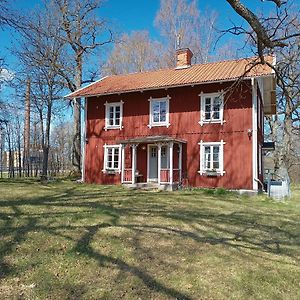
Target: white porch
(152, 161)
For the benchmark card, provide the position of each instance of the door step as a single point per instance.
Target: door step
(152, 186)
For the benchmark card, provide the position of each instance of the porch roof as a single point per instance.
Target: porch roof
(152, 139)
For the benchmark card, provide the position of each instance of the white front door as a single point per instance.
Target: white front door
(153, 163)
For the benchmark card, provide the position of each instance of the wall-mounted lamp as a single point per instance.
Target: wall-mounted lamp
(249, 132)
(143, 147)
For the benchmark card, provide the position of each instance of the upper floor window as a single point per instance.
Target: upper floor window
(159, 112)
(112, 155)
(211, 158)
(113, 115)
(211, 108)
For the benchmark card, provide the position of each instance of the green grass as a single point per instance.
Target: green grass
(73, 241)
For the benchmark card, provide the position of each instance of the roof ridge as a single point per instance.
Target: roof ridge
(194, 65)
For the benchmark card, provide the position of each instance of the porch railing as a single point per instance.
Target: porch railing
(165, 175)
(127, 176)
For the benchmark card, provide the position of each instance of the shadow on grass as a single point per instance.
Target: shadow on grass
(228, 229)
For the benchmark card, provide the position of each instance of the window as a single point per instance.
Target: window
(211, 158)
(112, 158)
(113, 115)
(211, 108)
(164, 157)
(159, 112)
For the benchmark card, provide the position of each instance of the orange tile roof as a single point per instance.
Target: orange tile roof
(196, 74)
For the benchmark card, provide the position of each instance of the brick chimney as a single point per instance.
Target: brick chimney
(184, 58)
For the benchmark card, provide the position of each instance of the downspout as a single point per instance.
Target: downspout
(259, 181)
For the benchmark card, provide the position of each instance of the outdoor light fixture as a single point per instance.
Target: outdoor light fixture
(249, 132)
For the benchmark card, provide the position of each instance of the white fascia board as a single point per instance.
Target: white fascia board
(70, 95)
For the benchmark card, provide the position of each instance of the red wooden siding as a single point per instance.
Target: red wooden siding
(184, 118)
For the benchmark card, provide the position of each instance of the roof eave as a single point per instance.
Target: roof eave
(167, 86)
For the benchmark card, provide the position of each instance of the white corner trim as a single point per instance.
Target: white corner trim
(254, 135)
(84, 141)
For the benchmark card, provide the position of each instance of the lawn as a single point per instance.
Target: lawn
(66, 240)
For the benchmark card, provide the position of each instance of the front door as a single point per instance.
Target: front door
(153, 163)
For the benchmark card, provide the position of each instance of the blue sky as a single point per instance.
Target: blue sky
(136, 15)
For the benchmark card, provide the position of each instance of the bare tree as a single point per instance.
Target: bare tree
(83, 32)
(40, 53)
(134, 53)
(278, 33)
(61, 141)
(3, 12)
(182, 25)
(76, 31)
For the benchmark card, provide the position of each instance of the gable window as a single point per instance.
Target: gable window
(112, 155)
(211, 108)
(211, 158)
(113, 115)
(159, 112)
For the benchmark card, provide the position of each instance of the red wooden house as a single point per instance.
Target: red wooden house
(197, 125)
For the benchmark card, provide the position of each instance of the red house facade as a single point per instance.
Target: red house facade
(194, 125)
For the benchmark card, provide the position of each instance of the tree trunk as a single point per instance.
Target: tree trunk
(46, 136)
(77, 120)
(27, 129)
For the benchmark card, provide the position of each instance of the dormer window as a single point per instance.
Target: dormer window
(159, 112)
(211, 108)
(113, 115)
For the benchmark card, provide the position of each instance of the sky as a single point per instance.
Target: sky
(133, 15)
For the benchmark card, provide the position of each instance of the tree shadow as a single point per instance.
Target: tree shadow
(236, 230)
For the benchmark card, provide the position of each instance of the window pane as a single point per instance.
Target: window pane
(109, 158)
(156, 117)
(216, 108)
(155, 107)
(163, 117)
(216, 157)
(207, 116)
(216, 165)
(207, 101)
(117, 109)
(163, 107)
(217, 103)
(207, 157)
(216, 115)
(207, 109)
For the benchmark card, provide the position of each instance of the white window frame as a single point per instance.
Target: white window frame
(105, 168)
(220, 171)
(151, 121)
(108, 105)
(202, 108)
